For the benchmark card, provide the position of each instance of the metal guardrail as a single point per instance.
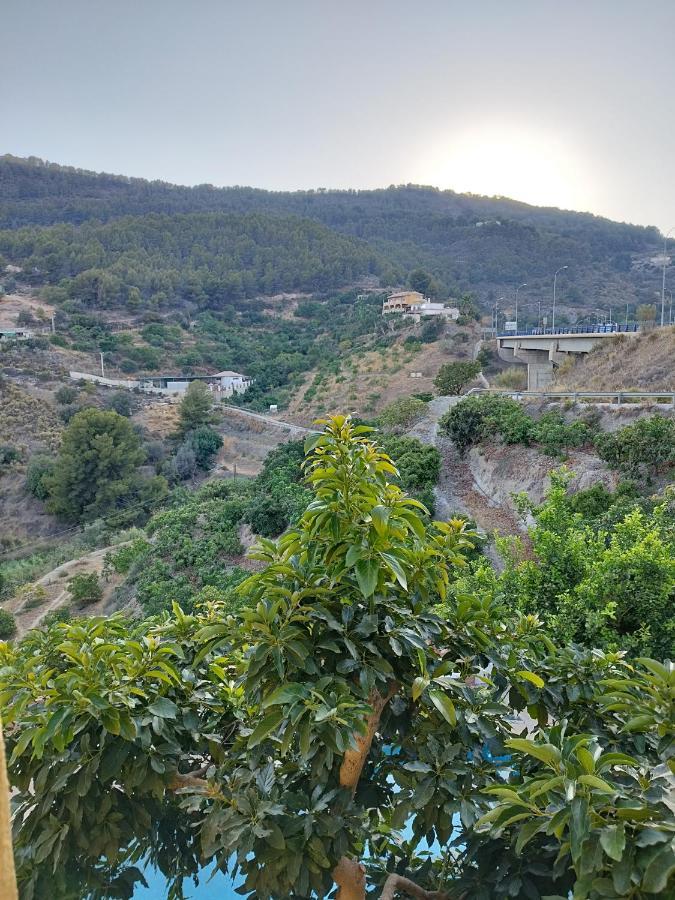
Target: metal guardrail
(614, 328)
(618, 397)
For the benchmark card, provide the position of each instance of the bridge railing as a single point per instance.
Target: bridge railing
(666, 398)
(614, 328)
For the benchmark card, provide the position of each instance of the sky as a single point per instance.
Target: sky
(568, 104)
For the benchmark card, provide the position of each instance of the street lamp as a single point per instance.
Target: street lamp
(555, 278)
(497, 312)
(663, 279)
(524, 284)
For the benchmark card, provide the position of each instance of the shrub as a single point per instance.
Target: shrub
(453, 377)
(85, 588)
(205, 443)
(7, 624)
(31, 595)
(40, 469)
(120, 402)
(62, 614)
(66, 395)
(480, 418)
(402, 413)
(647, 447)
(8, 454)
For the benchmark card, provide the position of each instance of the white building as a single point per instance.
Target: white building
(223, 384)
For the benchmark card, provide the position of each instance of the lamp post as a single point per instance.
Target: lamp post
(524, 284)
(497, 313)
(555, 278)
(663, 278)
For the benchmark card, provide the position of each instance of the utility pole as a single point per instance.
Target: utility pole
(626, 316)
(539, 315)
(666, 260)
(53, 326)
(524, 284)
(555, 278)
(102, 371)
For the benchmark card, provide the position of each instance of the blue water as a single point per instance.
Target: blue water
(220, 887)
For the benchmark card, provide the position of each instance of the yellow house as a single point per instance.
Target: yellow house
(402, 301)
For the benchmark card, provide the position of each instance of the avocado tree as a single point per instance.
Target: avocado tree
(341, 737)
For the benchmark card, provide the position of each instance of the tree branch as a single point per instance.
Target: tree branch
(395, 883)
(350, 877)
(354, 760)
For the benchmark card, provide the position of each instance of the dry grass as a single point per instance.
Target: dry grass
(645, 362)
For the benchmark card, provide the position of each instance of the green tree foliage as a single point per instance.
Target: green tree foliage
(492, 417)
(339, 719)
(66, 395)
(641, 450)
(206, 443)
(453, 377)
(96, 472)
(120, 402)
(7, 624)
(598, 575)
(250, 251)
(402, 413)
(85, 588)
(426, 284)
(191, 545)
(195, 407)
(279, 495)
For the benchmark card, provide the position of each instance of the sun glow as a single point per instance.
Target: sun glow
(510, 162)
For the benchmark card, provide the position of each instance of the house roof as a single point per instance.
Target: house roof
(226, 373)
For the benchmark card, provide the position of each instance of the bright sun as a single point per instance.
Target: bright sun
(510, 162)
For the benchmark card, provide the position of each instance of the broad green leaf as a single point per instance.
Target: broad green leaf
(445, 706)
(265, 727)
(597, 784)
(613, 840)
(531, 677)
(658, 872)
(380, 517)
(367, 571)
(547, 753)
(287, 693)
(526, 833)
(419, 685)
(585, 757)
(163, 708)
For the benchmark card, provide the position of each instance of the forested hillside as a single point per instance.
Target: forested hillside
(208, 258)
(467, 242)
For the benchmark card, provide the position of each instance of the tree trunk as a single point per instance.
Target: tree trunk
(7, 875)
(349, 874)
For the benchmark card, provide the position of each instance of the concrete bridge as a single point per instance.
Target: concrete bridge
(543, 349)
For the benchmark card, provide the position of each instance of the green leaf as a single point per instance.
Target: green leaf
(585, 757)
(163, 708)
(396, 568)
(526, 833)
(380, 517)
(531, 677)
(658, 872)
(265, 727)
(613, 840)
(597, 784)
(367, 571)
(419, 685)
(445, 706)
(640, 723)
(547, 753)
(287, 693)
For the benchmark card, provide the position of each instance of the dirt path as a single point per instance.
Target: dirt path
(55, 584)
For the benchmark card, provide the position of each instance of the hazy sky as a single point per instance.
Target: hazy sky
(569, 103)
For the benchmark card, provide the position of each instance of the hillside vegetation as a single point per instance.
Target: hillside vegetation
(467, 242)
(642, 363)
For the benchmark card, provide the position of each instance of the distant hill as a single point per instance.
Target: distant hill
(468, 243)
